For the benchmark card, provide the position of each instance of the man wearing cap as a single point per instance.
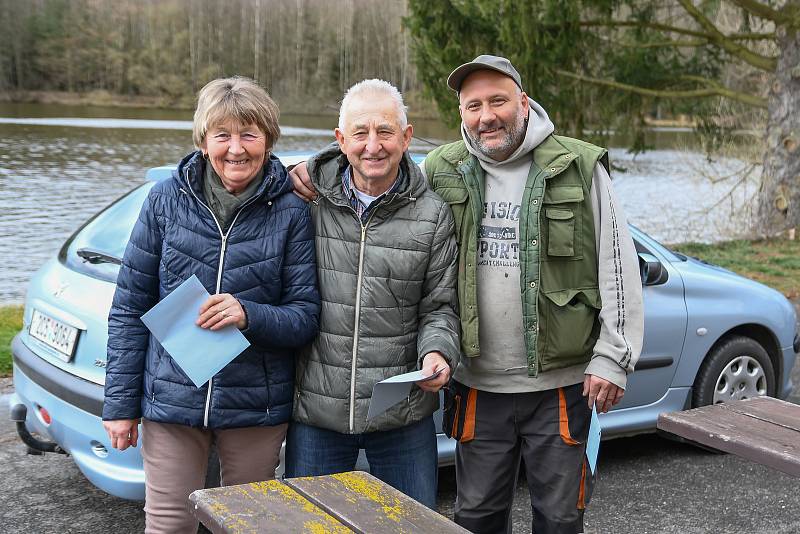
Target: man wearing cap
(550, 301)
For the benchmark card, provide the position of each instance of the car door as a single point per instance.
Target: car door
(665, 321)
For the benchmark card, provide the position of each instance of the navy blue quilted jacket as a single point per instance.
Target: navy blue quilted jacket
(266, 261)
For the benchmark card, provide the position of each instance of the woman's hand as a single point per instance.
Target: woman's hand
(123, 433)
(221, 310)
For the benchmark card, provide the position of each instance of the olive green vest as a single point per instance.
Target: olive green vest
(558, 256)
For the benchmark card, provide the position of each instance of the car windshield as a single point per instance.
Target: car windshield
(97, 247)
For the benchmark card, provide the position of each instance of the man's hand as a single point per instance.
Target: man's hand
(123, 433)
(601, 391)
(221, 310)
(301, 181)
(432, 362)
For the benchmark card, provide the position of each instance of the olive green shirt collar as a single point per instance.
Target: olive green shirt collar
(222, 202)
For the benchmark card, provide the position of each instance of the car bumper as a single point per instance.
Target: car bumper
(75, 407)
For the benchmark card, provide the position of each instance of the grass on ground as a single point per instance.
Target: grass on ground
(10, 324)
(774, 262)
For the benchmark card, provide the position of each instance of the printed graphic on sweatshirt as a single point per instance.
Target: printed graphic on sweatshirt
(498, 243)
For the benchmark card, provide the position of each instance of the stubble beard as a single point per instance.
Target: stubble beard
(514, 134)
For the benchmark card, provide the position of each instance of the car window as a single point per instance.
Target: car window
(96, 248)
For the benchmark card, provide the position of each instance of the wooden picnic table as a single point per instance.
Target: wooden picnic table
(343, 503)
(762, 429)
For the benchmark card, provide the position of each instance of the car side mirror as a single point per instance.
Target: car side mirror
(652, 270)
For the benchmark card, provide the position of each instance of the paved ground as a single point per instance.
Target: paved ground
(647, 484)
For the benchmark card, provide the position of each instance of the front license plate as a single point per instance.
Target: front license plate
(55, 334)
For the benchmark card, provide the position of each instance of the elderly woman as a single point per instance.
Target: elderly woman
(227, 215)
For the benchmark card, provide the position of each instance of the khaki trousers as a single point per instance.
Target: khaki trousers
(176, 460)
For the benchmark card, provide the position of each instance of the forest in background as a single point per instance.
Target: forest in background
(305, 52)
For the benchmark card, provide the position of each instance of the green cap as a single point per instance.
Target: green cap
(483, 62)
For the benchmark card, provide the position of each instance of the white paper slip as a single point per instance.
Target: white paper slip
(199, 352)
(389, 392)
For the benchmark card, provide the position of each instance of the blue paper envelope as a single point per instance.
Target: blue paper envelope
(593, 441)
(199, 352)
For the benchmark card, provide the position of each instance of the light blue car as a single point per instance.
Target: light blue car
(710, 336)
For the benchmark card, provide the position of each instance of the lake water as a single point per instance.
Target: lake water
(59, 165)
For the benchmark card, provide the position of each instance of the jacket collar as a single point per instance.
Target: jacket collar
(326, 167)
(191, 171)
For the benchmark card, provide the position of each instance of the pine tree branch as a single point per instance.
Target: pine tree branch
(760, 10)
(712, 89)
(650, 25)
(753, 36)
(717, 37)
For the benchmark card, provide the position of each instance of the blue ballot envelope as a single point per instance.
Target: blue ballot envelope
(593, 441)
(199, 352)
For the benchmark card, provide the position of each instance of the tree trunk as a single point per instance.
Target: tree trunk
(779, 196)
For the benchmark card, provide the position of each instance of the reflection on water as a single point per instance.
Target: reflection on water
(55, 175)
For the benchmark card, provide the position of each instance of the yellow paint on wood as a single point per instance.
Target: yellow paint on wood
(392, 507)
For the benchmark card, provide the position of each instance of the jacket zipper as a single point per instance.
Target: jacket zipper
(356, 326)
(359, 280)
(224, 237)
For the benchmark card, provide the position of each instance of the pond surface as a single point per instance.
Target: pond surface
(59, 165)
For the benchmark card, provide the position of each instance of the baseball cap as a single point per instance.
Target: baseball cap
(482, 62)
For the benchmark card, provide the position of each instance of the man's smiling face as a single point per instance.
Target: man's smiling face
(373, 141)
(493, 111)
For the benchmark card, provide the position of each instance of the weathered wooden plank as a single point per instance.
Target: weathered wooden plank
(723, 427)
(269, 506)
(367, 505)
(776, 411)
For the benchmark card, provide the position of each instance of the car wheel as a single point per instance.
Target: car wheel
(736, 368)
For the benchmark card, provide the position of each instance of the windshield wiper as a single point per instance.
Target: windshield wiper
(95, 256)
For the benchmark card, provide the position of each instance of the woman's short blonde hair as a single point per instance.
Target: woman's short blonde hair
(236, 99)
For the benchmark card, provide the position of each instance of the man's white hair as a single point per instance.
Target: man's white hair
(373, 88)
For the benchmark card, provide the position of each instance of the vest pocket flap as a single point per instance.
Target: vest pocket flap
(453, 195)
(558, 214)
(589, 297)
(563, 194)
(451, 188)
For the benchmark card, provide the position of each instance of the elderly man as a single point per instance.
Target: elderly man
(549, 297)
(387, 274)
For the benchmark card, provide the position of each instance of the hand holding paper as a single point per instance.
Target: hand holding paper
(437, 370)
(199, 352)
(219, 311)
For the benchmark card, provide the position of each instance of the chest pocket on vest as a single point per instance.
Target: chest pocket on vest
(562, 220)
(454, 192)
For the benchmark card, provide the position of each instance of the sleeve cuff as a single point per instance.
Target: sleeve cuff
(607, 369)
(435, 345)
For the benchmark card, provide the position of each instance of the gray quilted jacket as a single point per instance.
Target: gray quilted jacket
(388, 292)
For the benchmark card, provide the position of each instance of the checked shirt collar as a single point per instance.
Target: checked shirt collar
(358, 206)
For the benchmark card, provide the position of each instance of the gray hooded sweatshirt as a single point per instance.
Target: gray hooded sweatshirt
(502, 365)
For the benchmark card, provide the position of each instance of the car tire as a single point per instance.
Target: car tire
(737, 367)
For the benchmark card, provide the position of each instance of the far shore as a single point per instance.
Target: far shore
(101, 98)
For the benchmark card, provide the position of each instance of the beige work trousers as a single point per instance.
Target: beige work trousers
(176, 460)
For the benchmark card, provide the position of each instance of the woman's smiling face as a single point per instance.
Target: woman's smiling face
(237, 152)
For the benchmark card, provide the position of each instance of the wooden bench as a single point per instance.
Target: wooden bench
(762, 429)
(341, 503)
